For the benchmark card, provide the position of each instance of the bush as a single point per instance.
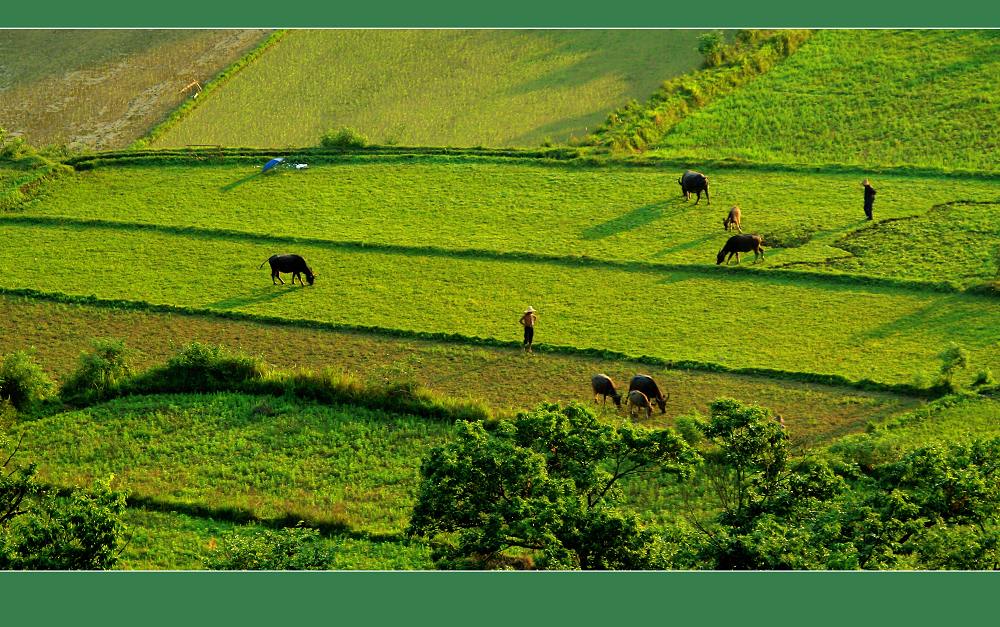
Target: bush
(710, 47)
(297, 548)
(22, 381)
(201, 368)
(343, 137)
(100, 372)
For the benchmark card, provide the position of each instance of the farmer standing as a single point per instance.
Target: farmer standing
(869, 197)
(528, 322)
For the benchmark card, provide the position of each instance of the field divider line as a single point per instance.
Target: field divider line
(238, 515)
(779, 274)
(562, 157)
(832, 380)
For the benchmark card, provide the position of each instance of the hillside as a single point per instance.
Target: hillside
(872, 98)
(102, 89)
(437, 87)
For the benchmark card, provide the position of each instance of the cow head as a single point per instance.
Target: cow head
(617, 398)
(310, 277)
(662, 403)
(721, 256)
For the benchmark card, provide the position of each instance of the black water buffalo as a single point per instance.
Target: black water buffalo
(733, 219)
(289, 263)
(637, 401)
(604, 386)
(694, 183)
(741, 244)
(645, 384)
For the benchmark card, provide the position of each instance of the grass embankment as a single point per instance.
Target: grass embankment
(502, 378)
(610, 213)
(860, 331)
(99, 89)
(869, 97)
(437, 87)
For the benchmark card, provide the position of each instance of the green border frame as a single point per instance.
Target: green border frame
(510, 13)
(132, 598)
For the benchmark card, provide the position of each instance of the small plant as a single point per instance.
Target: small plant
(984, 377)
(297, 548)
(710, 46)
(343, 137)
(22, 381)
(101, 371)
(201, 368)
(954, 359)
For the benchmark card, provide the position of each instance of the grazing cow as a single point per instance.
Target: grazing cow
(604, 386)
(645, 384)
(289, 263)
(638, 401)
(741, 244)
(733, 219)
(694, 183)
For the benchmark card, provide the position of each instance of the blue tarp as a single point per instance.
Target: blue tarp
(270, 164)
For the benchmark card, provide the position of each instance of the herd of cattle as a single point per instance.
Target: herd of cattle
(642, 393)
(695, 183)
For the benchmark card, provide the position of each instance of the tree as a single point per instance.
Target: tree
(291, 548)
(546, 484)
(42, 530)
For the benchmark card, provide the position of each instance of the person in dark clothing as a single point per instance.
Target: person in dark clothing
(528, 320)
(869, 198)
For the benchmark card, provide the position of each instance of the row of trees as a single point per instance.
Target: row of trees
(545, 491)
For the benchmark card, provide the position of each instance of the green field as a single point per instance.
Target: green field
(615, 213)
(868, 97)
(426, 257)
(102, 89)
(437, 87)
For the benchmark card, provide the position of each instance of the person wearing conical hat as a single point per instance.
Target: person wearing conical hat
(869, 197)
(528, 322)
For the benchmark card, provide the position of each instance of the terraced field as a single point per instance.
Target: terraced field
(103, 89)
(426, 257)
(437, 87)
(873, 98)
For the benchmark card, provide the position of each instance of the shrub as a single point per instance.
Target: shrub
(710, 47)
(297, 548)
(343, 137)
(100, 372)
(201, 368)
(984, 377)
(22, 381)
(954, 359)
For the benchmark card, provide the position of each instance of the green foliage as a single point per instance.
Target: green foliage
(22, 381)
(546, 483)
(100, 373)
(293, 548)
(42, 530)
(747, 458)
(710, 47)
(343, 137)
(200, 367)
(636, 127)
(954, 359)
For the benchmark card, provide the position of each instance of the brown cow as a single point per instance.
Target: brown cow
(604, 386)
(637, 401)
(741, 244)
(733, 219)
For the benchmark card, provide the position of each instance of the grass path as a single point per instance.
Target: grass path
(743, 319)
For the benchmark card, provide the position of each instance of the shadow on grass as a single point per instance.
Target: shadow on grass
(238, 182)
(259, 295)
(638, 217)
(694, 243)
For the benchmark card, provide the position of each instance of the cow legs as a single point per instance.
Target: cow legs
(697, 200)
(275, 275)
(707, 199)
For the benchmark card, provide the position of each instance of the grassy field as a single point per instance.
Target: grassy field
(437, 87)
(868, 97)
(882, 333)
(504, 378)
(615, 213)
(271, 457)
(101, 89)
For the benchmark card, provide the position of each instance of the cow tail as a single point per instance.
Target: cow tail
(262, 265)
